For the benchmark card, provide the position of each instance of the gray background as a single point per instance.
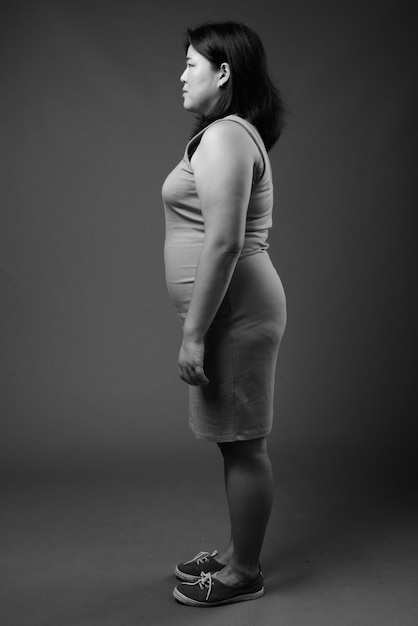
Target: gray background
(92, 122)
(102, 486)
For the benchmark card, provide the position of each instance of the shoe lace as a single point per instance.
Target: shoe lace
(205, 582)
(201, 557)
(204, 558)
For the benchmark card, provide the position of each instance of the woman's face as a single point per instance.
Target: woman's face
(201, 83)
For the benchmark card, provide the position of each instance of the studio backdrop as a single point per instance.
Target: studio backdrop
(92, 122)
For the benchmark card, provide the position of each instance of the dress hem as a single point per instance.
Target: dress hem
(231, 438)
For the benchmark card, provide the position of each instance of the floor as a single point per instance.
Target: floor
(96, 545)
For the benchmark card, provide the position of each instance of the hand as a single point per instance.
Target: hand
(190, 362)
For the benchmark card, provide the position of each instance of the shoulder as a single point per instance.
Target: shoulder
(226, 130)
(227, 136)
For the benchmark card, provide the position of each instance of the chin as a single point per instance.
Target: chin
(188, 108)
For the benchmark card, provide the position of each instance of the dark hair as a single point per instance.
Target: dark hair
(249, 92)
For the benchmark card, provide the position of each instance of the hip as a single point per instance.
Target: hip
(255, 291)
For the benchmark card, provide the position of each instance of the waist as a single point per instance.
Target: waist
(189, 242)
(254, 242)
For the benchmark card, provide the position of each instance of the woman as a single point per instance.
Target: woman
(218, 206)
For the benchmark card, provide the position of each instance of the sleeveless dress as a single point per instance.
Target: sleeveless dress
(242, 343)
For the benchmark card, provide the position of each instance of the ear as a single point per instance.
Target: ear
(224, 74)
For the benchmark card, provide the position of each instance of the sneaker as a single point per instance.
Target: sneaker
(209, 591)
(202, 563)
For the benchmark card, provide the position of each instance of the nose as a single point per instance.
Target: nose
(183, 77)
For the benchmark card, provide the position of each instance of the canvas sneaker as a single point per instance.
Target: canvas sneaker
(202, 563)
(209, 591)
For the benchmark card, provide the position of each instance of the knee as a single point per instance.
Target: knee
(244, 450)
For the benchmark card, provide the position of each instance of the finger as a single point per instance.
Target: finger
(193, 377)
(197, 375)
(201, 376)
(184, 374)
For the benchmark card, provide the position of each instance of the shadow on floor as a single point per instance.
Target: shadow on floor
(97, 545)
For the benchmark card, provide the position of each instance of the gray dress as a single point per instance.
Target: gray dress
(242, 343)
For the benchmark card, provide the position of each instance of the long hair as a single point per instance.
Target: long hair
(249, 92)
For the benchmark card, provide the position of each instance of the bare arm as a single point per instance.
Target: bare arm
(223, 167)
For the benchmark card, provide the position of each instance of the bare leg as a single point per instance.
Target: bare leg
(249, 488)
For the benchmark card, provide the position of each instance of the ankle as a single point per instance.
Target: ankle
(224, 556)
(236, 574)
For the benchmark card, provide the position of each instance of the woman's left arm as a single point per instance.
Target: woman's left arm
(223, 167)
